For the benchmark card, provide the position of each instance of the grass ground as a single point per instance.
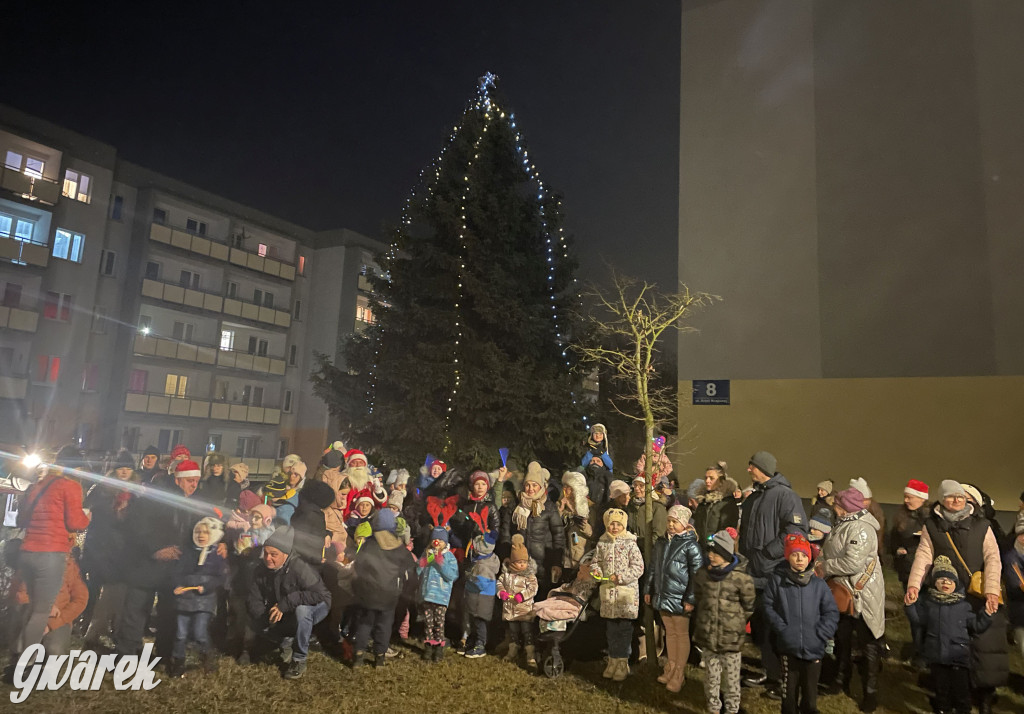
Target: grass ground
(457, 685)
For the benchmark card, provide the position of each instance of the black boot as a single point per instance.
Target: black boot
(428, 652)
(439, 652)
(176, 670)
(870, 667)
(379, 659)
(358, 659)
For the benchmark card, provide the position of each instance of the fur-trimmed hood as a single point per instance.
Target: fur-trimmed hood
(725, 487)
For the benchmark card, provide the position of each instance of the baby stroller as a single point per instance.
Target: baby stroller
(553, 632)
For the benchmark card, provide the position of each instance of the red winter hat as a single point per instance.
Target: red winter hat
(180, 450)
(438, 462)
(797, 542)
(187, 469)
(479, 476)
(354, 454)
(916, 488)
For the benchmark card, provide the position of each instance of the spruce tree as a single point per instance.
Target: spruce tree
(469, 351)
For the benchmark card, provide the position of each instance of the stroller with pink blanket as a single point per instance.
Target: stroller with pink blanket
(565, 608)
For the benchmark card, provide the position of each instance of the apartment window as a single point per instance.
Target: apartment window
(57, 306)
(34, 167)
(47, 369)
(116, 207)
(145, 323)
(77, 186)
(252, 395)
(286, 405)
(193, 225)
(230, 289)
(90, 377)
(189, 279)
(12, 295)
(108, 259)
(137, 381)
(13, 160)
(364, 313)
(302, 265)
(130, 438)
(282, 448)
(214, 442)
(258, 346)
(238, 240)
(247, 447)
(175, 385)
(168, 438)
(152, 270)
(68, 245)
(159, 216)
(227, 340)
(293, 355)
(24, 230)
(263, 297)
(220, 389)
(99, 320)
(262, 249)
(297, 312)
(183, 331)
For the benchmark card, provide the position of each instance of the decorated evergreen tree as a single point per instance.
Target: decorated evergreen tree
(469, 351)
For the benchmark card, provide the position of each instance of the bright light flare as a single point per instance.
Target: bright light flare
(31, 460)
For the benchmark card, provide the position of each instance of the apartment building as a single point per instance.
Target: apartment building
(140, 310)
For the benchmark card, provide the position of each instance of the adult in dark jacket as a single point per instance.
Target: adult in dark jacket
(599, 478)
(953, 529)
(159, 531)
(286, 599)
(149, 465)
(716, 507)
(903, 539)
(221, 485)
(636, 512)
(309, 523)
(382, 569)
(537, 520)
(804, 617)
(769, 514)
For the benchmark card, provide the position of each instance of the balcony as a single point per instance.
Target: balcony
(41, 189)
(13, 387)
(171, 405)
(202, 245)
(26, 252)
(212, 302)
(15, 318)
(148, 345)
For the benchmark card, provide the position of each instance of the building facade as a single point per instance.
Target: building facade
(139, 310)
(851, 177)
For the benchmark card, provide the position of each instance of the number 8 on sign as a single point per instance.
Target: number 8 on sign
(710, 389)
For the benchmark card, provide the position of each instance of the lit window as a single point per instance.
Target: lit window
(302, 265)
(57, 306)
(227, 340)
(24, 231)
(175, 385)
(68, 245)
(262, 249)
(34, 167)
(47, 369)
(77, 186)
(13, 160)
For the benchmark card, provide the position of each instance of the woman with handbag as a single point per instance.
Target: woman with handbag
(849, 563)
(50, 512)
(954, 529)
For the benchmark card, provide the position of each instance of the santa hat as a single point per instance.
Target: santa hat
(187, 469)
(354, 454)
(916, 488)
(364, 497)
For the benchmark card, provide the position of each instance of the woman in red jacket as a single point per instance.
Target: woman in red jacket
(49, 512)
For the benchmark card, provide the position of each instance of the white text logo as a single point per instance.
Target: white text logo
(81, 670)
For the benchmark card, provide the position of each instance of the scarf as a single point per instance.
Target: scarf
(528, 507)
(801, 578)
(956, 516)
(717, 574)
(945, 598)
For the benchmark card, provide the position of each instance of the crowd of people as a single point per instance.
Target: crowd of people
(474, 560)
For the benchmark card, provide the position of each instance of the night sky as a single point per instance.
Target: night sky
(326, 118)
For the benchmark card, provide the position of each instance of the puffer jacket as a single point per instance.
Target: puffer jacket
(293, 584)
(948, 628)
(716, 510)
(801, 611)
(674, 566)
(481, 585)
(618, 556)
(53, 515)
(382, 568)
(770, 513)
(848, 553)
(544, 535)
(725, 601)
(212, 575)
(523, 583)
(436, 578)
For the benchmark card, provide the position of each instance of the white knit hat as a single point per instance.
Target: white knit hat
(861, 485)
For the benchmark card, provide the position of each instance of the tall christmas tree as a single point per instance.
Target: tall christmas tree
(469, 351)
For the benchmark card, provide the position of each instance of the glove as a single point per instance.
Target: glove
(423, 562)
(519, 597)
(503, 596)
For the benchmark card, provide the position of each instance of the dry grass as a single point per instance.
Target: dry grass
(481, 686)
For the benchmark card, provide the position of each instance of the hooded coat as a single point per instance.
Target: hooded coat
(770, 513)
(674, 567)
(725, 601)
(619, 556)
(382, 568)
(850, 551)
(801, 611)
(481, 580)
(211, 574)
(437, 577)
(716, 509)
(948, 628)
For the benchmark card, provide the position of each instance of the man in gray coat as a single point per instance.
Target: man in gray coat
(770, 513)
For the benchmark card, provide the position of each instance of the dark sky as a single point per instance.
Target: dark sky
(326, 118)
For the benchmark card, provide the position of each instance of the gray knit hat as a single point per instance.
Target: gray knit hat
(283, 539)
(764, 462)
(949, 487)
(724, 544)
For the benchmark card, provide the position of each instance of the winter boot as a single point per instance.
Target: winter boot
(675, 682)
(870, 666)
(621, 670)
(379, 660)
(209, 660)
(439, 652)
(358, 660)
(513, 653)
(428, 652)
(609, 669)
(296, 669)
(531, 658)
(177, 668)
(666, 675)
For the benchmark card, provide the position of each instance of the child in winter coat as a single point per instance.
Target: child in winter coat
(947, 622)
(803, 615)
(362, 510)
(481, 588)
(725, 597)
(261, 525)
(200, 574)
(437, 569)
(516, 589)
(618, 564)
(1013, 575)
(669, 588)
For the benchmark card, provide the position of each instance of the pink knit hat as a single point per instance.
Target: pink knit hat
(851, 500)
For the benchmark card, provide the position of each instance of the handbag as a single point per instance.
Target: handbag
(12, 548)
(977, 583)
(842, 595)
